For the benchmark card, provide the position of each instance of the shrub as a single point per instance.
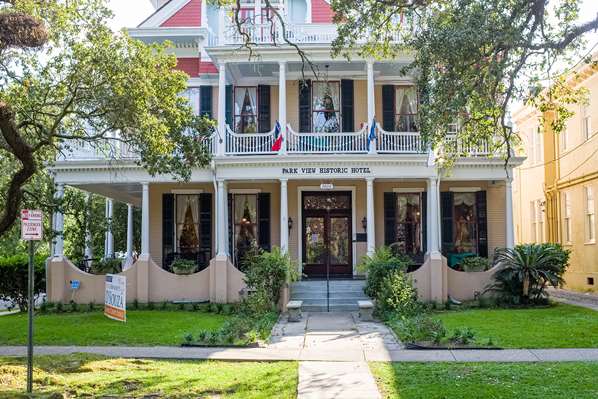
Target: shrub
(266, 274)
(14, 277)
(106, 266)
(380, 265)
(183, 267)
(74, 306)
(525, 271)
(397, 296)
(475, 264)
(463, 337)
(421, 328)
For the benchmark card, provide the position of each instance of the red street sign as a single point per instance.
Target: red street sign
(32, 225)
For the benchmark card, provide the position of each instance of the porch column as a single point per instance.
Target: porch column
(221, 139)
(129, 257)
(282, 104)
(221, 23)
(145, 220)
(88, 252)
(109, 240)
(371, 226)
(510, 235)
(221, 205)
(59, 222)
(371, 104)
(284, 216)
(433, 218)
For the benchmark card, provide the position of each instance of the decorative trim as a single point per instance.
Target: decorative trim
(408, 190)
(245, 190)
(186, 191)
(465, 189)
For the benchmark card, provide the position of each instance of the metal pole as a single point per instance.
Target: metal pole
(30, 314)
(328, 262)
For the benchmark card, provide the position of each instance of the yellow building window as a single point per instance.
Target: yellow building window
(590, 222)
(567, 218)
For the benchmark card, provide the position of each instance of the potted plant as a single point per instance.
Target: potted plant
(183, 267)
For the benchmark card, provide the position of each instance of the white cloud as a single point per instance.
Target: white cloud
(129, 13)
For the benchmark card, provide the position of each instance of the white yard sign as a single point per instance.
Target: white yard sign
(32, 225)
(115, 303)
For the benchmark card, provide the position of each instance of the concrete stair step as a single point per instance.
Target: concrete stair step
(335, 308)
(319, 302)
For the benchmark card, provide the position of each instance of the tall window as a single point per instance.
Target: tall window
(326, 103)
(586, 122)
(533, 221)
(465, 223)
(245, 225)
(193, 94)
(590, 221)
(246, 109)
(540, 220)
(538, 145)
(409, 223)
(564, 139)
(406, 109)
(567, 218)
(187, 224)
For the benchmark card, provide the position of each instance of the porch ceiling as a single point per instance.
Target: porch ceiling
(126, 193)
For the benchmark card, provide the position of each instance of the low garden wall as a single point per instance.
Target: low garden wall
(146, 282)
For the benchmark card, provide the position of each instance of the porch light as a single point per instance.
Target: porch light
(290, 223)
(364, 223)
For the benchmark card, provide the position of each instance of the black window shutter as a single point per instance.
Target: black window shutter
(424, 221)
(229, 105)
(231, 226)
(446, 212)
(347, 110)
(167, 229)
(205, 101)
(482, 216)
(305, 106)
(205, 228)
(390, 218)
(388, 108)
(263, 203)
(263, 101)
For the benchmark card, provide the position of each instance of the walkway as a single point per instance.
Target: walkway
(588, 300)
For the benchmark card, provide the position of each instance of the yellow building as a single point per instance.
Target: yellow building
(554, 189)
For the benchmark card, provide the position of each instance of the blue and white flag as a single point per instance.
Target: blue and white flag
(372, 136)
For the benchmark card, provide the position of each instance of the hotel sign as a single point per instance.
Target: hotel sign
(347, 171)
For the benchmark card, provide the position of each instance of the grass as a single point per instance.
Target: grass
(558, 326)
(95, 376)
(486, 380)
(143, 327)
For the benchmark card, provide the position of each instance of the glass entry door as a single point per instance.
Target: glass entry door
(327, 246)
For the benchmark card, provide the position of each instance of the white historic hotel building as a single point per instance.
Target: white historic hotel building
(327, 197)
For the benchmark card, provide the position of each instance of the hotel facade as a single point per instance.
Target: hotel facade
(330, 195)
(554, 189)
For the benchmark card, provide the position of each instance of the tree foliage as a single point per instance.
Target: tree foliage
(64, 75)
(473, 58)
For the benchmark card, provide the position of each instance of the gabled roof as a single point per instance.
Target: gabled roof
(175, 13)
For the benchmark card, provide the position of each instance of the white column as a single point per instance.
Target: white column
(433, 218)
(221, 23)
(204, 14)
(88, 253)
(145, 220)
(59, 222)
(371, 226)
(129, 231)
(284, 216)
(221, 205)
(282, 103)
(109, 242)
(221, 139)
(510, 235)
(371, 103)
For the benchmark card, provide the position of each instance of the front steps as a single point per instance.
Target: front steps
(344, 295)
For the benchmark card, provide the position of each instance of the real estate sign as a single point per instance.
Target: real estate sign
(115, 303)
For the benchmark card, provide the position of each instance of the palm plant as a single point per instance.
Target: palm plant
(525, 271)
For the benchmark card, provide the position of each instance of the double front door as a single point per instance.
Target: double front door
(327, 234)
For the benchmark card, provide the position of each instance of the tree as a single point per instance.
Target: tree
(64, 75)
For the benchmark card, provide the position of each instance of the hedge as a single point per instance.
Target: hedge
(13, 278)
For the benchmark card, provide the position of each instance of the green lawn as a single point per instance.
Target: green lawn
(487, 380)
(559, 326)
(143, 327)
(94, 376)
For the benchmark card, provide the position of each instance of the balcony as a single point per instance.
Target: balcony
(252, 144)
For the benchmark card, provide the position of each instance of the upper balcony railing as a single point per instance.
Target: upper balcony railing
(249, 144)
(274, 33)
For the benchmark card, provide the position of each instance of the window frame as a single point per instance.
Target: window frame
(421, 222)
(414, 115)
(590, 218)
(236, 223)
(337, 111)
(567, 232)
(177, 246)
(257, 107)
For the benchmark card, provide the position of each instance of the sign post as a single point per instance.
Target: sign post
(31, 230)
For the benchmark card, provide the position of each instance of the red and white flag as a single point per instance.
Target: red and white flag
(278, 139)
